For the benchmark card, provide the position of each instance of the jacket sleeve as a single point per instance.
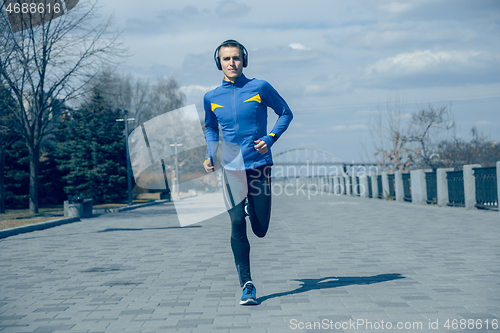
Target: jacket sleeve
(272, 99)
(212, 130)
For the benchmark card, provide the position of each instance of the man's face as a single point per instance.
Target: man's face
(231, 61)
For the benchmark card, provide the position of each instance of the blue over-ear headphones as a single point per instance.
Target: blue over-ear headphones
(230, 41)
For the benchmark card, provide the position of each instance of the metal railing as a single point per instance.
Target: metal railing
(431, 185)
(379, 185)
(392, 186)
(486, 188)
(406, 186)
(370, 193)
(456, 196)
(357, 186)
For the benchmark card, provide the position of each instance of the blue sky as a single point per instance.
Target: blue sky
(335, 62)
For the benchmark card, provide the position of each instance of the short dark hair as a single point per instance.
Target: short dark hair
(233, 44)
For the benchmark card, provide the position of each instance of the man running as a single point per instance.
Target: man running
(239, 106)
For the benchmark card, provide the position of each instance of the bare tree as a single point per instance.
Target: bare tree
(53, 61)
(142, 99)
(125, 92)
(387, 134)
(457, 152)
(426, 129)
(165, 96)
(402, 140)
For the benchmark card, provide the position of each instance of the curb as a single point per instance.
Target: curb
(37, 226)
(54, 223)
(122, 209)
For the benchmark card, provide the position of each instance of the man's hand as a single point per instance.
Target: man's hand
(208, 166)
(261, 146)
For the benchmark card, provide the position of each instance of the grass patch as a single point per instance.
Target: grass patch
(19, 217)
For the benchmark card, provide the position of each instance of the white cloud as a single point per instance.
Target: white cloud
(484, 123)
(338, 128)
(405, 116)
(357, 127)
(421, 61)
(316, 89)
(229, 9)
(396, 7)
(354, 127)
(433, 69)
(196, 89)
(298, 46)
(366, 113)
(328, 85)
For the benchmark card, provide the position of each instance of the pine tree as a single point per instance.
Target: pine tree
(14, 165)
(17, 173)
(91, 152)
(51, 178)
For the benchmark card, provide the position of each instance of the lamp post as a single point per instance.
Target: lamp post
(177, 167)
(129, 179)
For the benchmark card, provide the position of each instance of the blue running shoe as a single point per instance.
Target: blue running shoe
(249, 294)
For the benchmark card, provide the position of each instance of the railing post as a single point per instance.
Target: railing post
(400, 190)
(369, 186)
(498, 185)
(347, 185)
(442, 186)
(354, 185)
(336, 185)
(363, 186)
(385, 185)
(470, 185)
(374, 186)
(341, 184)
(418, 186)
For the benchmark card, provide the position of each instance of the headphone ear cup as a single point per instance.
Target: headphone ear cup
(217, 63)
(217, 59)
(245, 56)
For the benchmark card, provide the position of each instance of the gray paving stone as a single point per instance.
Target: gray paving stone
(53, 328)
(332, 257)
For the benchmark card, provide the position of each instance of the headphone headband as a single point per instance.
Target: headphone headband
(225, 43)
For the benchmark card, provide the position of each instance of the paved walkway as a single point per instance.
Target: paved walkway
(349, 264)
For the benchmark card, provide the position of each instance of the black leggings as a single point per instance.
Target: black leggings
(255, 184)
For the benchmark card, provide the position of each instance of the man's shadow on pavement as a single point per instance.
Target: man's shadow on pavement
(333, 282)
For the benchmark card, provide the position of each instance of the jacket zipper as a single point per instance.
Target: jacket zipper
(236, 125)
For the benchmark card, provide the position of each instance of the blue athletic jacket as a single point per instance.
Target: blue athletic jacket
(240, 107)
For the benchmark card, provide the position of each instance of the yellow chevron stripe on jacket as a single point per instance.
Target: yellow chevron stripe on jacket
(254, 98)
(215, 106)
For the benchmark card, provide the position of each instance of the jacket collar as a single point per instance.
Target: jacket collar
(239, 82)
